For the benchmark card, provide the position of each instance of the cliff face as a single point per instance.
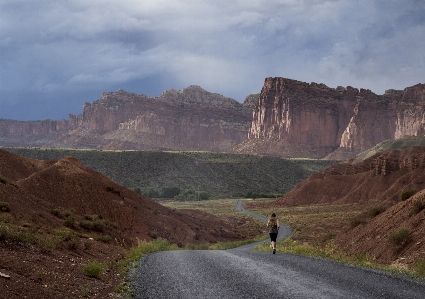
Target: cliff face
(34, 133)
(191, 119)
(324, 121)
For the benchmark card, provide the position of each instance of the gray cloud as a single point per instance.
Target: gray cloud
(63, 53)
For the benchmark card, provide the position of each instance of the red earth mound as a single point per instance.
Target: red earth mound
(46, 196)
(381, 179)
(377, 183)
(395, 236)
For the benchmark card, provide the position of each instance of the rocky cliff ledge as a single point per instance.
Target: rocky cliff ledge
(297, 119)
(189, 119)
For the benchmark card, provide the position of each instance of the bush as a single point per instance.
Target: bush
(4, 206)
(151, 193)
(96, 224)
(400, 237)
(170, 192)
(375, 211)
(3, 179)
(69, 222)
(356, 222)
(57, 213)
(67, 238)
(406, 194)
(94, 269)
(418, 206)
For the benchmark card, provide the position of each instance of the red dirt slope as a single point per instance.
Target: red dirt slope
(381, 178)
(34, 189)
(375, 182)
(374, 237)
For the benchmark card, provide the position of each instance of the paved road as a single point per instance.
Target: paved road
(243, 273)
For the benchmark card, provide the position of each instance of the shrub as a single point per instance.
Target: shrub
(375, 211)
(356, 222)
(400, 237)
(4, 206)
(152, 234)
(66, 238)
(97, 225)
(418, 206)
(94, 268)
(57, 213)
(92, 217)
(151, 193)
(88, 225)
(3, 179)
(103, 238)
(406, 194)
(69, 222)
(170, 192)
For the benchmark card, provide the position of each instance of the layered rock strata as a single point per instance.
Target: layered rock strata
(189, 119)
(336, 123)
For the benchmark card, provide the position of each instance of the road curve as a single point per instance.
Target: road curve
(243, 273)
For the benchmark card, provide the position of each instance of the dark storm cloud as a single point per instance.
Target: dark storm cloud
(63, 53)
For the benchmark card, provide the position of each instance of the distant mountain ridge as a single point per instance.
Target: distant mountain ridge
(189, 119)
(289, 118)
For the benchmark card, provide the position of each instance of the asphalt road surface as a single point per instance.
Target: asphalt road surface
(243, 273)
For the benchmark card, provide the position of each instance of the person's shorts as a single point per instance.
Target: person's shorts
(273, 237)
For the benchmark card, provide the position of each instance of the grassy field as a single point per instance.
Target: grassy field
(215, 173)
(225, 208)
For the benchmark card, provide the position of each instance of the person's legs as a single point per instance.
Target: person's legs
(273, 238)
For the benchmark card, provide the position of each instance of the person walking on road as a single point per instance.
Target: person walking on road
(273, 225)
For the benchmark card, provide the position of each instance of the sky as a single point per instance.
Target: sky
(56, 55)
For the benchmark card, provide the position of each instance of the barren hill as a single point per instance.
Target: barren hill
(381, 179)
(56, 216)
(395, 235)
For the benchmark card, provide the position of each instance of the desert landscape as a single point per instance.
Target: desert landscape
(57, 216)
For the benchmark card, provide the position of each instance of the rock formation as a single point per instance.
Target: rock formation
(297, 119)
(190, 119)
(288, 118)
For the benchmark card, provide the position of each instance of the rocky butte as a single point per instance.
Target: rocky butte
(298, 119)
(189, 119)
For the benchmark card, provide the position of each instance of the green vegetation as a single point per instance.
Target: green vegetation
(376, 210)
(418, 205)
(356, 221)
(404, 142)
(3, 179)
(213, 174)
(61, 213)
(23, 235)
(399, 238)
(420, 266)
(406, 194)
(329, 251)
(94, 268)
(4, 206)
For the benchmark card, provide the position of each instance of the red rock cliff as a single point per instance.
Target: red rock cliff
(293, 118)
(191, 119)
